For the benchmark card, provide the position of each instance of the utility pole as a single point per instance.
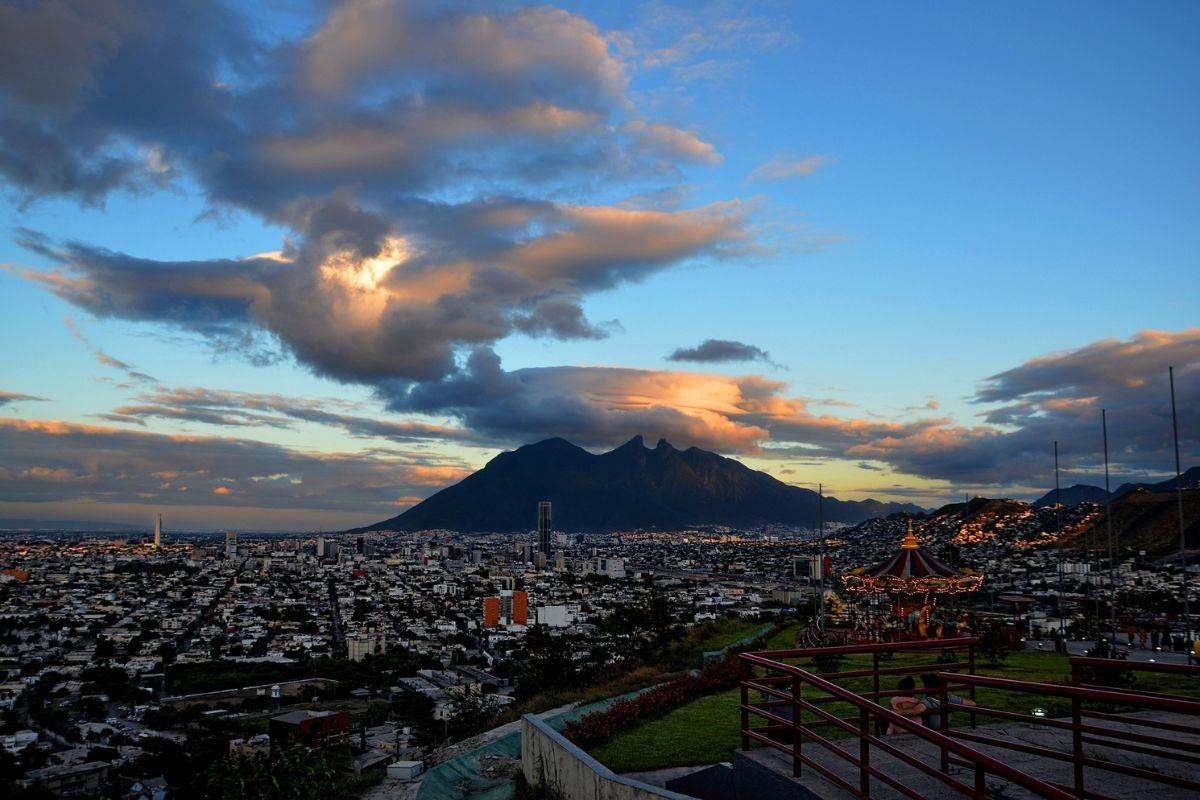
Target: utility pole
(1058, 527)
(1112, 559)
(821, 563)
(1187, 614)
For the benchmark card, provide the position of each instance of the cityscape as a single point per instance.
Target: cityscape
(413, 400)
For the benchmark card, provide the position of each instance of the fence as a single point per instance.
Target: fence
(794, 720)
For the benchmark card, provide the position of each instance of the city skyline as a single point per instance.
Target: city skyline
(267, 269)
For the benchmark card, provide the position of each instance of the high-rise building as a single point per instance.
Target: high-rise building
(157, 531)
(320, 547)
(360, 545)
(491, 612)
(514, 607)
(230, 544)
(544, 526)
(362, 645)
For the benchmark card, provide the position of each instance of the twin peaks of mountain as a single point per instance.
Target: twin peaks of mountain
(631, 487)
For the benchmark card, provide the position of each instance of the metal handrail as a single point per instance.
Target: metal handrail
(1136, 666)
(979, 760)
(852, 649)
(1162, 702)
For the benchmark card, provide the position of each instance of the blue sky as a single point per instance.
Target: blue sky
(972, 188)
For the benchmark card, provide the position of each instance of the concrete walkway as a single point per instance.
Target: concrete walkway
(1080, 648)
(1115, 782)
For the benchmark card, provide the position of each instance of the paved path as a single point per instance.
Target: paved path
(1079, 648)
(1112, 782)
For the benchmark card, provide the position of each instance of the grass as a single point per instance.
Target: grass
(683, 655)
(706, 730)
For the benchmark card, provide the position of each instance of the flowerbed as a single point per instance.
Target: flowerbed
(591, 729)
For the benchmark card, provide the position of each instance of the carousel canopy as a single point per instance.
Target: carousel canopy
(913, 570)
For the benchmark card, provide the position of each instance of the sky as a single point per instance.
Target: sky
(300, 265)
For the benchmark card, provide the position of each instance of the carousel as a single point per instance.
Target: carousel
(915, 581)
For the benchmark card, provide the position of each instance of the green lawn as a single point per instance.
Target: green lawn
(706, 730)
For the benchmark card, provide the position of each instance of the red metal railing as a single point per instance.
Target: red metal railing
(783, 688)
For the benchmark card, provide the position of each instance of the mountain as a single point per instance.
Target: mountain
(630, 487)
(1072, 495)
(1082, 493)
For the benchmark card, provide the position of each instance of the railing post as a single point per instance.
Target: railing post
(875, 697)
(744, 675)
(971, 671)
(980, 783)
(796, 725)
(864, 753)
(943, 725)
(1077, 744)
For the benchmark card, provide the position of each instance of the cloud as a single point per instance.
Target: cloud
(720, 350)
(672, 142)
(8, 398)
(47, 461)
(701, 41)
(248, 409)
(1059, 397)
(104, 358)
(784, 167)
(358, 301)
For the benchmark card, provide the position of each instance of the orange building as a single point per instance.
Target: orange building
(491, 612)
(520, 608)
(18, 574)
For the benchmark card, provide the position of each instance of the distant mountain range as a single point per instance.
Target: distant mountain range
(631, 487)
(1082, 493)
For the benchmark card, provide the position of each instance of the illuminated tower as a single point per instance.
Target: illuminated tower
(544, 526)
(157, 531)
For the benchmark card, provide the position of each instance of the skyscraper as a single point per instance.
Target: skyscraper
(230, 544)
(157, 531)
(544, 526)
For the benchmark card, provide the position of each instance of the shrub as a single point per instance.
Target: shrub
(591, 729)
(1114, 677)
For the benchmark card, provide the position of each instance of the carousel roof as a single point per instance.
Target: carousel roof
(912, 569)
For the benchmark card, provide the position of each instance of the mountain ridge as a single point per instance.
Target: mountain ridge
(631, 486)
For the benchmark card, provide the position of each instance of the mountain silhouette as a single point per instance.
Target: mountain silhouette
(630, 487)
(1083, 493)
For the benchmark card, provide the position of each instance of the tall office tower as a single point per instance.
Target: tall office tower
(157, 531)
(360, 545)
(230, 544)
(320, 547)
(544, 526)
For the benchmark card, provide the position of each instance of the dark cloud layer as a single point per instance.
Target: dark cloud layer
(1059, 397)
(7, 398)
(55, 461)
(714, 351)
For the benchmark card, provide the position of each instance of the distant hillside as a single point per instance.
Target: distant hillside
(627, 488)
(1083, 493)
(1142, 520)
(1072, 495)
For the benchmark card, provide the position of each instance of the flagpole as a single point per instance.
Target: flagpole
(1112, 561)
(1187, 616)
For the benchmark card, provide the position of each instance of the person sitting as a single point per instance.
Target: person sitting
(906, 704)
(932, 716)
